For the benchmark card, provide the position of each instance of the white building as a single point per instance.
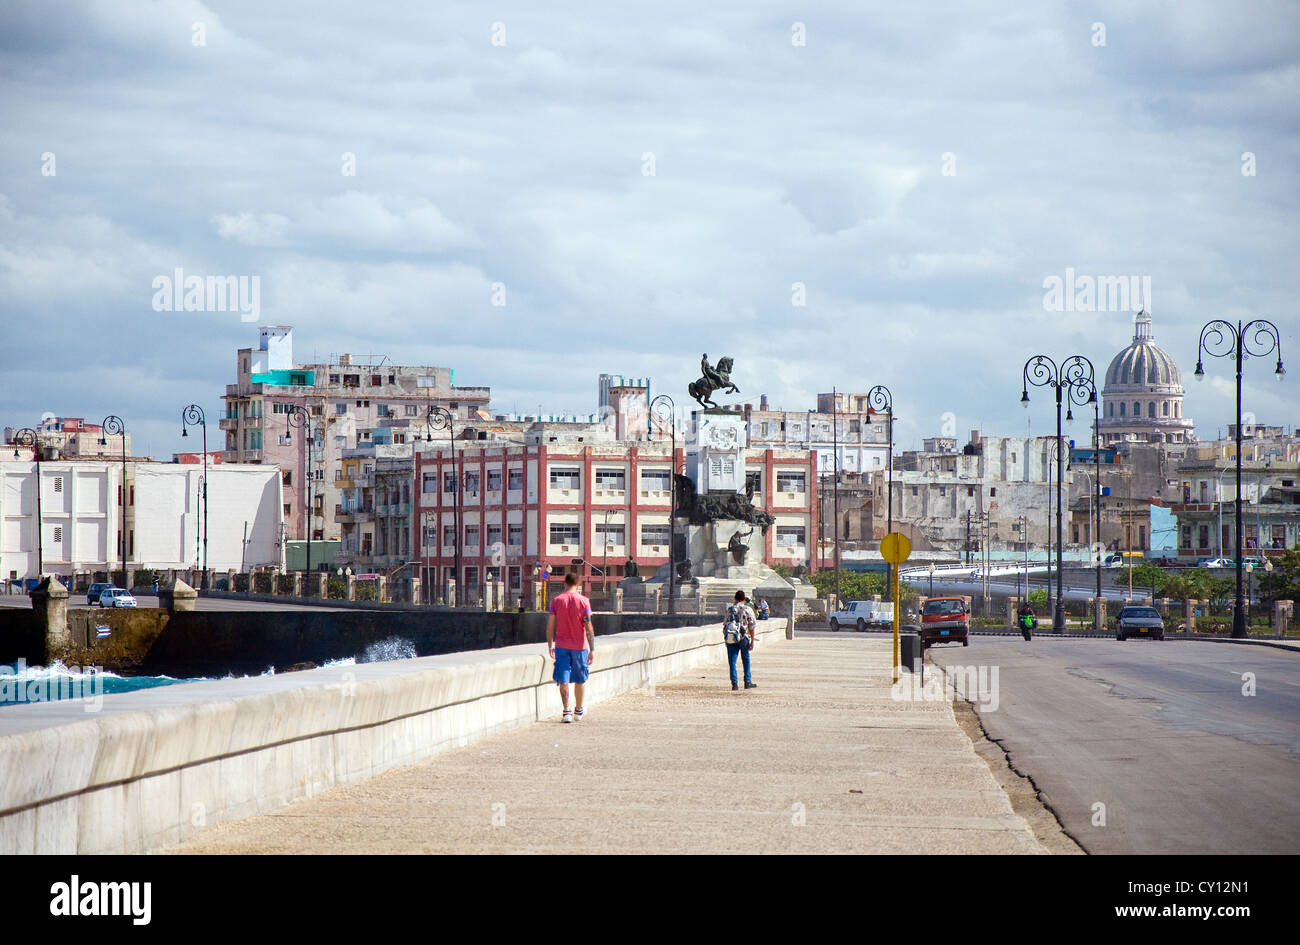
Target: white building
(81, 520)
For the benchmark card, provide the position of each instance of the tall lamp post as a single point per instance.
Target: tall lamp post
(1222, 339)
(190, 416)
(661, 408)
(440, 418)
(27, 437)
(880, 398)
(1083, 391)
(297, 416)
(1074, 371)
(113, 426)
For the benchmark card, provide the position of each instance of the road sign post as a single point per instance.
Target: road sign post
(895, 549)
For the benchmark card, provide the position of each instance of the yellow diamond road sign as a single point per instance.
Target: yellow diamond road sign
(895, 548)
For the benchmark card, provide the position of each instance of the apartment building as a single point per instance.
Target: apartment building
(565, 501)
(842, 423)
(351, 402)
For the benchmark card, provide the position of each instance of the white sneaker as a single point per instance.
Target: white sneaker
(579, 714)
(567, 717)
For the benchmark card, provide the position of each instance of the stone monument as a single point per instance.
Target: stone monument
(724, 533)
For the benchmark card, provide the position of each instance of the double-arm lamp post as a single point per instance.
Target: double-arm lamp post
(193, 416)
(880, 398)
(1254, 339)
(1073, 381)
(663, 409)
(113, 426)
(440, 418)
(27, 437)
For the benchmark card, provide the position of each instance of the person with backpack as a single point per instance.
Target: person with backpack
(738, 633)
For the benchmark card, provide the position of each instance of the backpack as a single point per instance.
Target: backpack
(733, 630)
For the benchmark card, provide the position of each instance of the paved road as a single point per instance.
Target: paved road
(820, 758)
(1160, 733)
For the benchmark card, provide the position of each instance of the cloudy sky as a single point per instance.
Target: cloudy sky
(646, 182)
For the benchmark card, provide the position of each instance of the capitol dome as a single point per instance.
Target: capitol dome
(1142, 400)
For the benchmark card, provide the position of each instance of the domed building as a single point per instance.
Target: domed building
(1142, 400)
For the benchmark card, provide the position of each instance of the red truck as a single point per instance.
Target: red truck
(945, 620)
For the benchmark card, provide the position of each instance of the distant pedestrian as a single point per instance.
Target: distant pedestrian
(738, 632)
(571, 641)
(763, 609)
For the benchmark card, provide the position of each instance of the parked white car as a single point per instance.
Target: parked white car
(116, 597)
(861, 614)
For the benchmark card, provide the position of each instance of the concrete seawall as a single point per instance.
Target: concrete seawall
(154, 767)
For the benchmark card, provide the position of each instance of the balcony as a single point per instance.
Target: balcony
(228, 423)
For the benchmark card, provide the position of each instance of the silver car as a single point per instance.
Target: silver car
(1139, 622)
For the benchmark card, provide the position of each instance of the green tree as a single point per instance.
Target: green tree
(854, 585)
(1146, 576)
(1283, 582)
(1038, 597)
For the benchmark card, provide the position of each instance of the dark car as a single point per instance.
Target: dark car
(1139, 622)
(92, 595)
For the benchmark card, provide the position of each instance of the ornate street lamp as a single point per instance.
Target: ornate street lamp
(190, 416)
(1074, 373)
(296, 415)
(663, 408)
(27, 437)
(440, 418)
(1221, 339)
(113, 426)
(880, 398)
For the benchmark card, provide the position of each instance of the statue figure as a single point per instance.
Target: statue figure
(718, 378)
(717, 506)
(631, 570)
(736, 545)
(684, 571)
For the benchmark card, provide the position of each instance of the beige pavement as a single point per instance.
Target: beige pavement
(819, 759)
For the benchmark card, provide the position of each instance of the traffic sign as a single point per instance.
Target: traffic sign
(895, 548)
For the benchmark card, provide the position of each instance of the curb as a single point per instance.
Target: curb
(1274, 644)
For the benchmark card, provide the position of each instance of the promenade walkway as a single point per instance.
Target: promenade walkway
(818, 759)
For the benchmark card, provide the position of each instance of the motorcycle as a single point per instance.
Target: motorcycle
(1028, 624)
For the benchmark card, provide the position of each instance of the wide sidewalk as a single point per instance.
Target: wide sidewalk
(819, 759)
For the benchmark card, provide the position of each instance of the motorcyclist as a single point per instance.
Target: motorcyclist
(1027, 620)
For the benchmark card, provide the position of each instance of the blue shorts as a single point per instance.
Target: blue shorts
(570, 666)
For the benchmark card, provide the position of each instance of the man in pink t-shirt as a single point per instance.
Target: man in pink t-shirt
(571, 640)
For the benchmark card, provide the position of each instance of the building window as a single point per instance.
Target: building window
(656, 534)
(515, 574)
(471, 578)
(471, 483)
(494, 480)
(448, 535)
(789, 482)
(1121, 409)
(611, 479)
(1164, 409)
(993, 492)
(1137, 409)
(656, 480)
(943, 491)
(913, 490)
(608, 535)
(430, 535)
(566, 533)
(754, 482)
(471, 536)
(412, 410)
(493, 535)
(515, 480)
(515, 535)
(789, 536)
(429, 483)
(566, 479)
(1151, 409)
(449, 482)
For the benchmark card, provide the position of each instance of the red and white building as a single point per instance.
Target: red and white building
(558, 504)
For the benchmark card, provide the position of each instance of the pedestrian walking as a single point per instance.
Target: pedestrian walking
(738, 632)
(571, 642)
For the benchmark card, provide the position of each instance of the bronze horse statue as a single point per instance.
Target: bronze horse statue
(718, 378)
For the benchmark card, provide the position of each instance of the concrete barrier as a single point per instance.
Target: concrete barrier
(155, 766)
